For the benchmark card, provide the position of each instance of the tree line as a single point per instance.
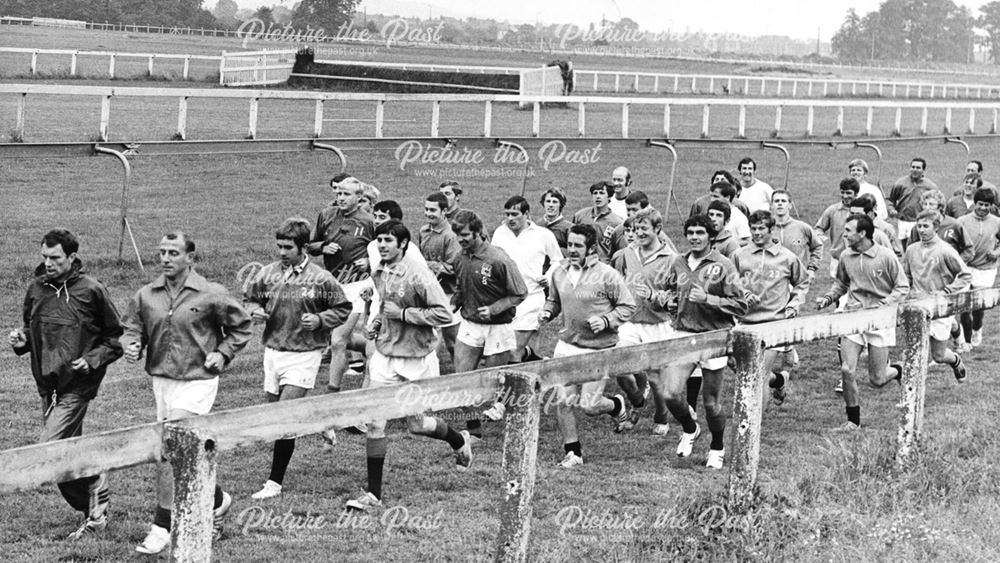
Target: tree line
(919, 30)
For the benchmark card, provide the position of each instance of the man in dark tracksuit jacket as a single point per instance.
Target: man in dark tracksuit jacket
(71, 330)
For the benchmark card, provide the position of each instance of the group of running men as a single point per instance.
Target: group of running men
(611, 273)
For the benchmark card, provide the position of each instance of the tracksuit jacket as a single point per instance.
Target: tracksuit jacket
(934, 267)
(727, 299)
(869, 279)
(65, 320)
(776, 276)
(984, 234)
(649, 271)
(424, 306)
(600, 291)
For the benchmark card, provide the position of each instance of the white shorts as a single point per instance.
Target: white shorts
(353, 293)
(940, 329)
(632, 334)
(196, 396)
(526, 314)
(903, 229)
(583, 394)
(385, 370)
(710, 364)
(878, 338)
(290, 368)
(493, 339)
(983, 278)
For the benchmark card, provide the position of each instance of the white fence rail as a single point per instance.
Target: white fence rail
(772, 86)
(112, 57)
(256, 68)
(987, 112)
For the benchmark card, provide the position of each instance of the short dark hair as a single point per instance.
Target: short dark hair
(866, 202)
(762, 216)
(295, 229)
(466, 218)
(189, 245)
(851, 184)
(921, 161)
(589, 235)
(607, 187)
(978, 164)
(556, 193)
(700, 221)
(727, 190)
(439, 199)
(453, 185)
(865, 224)
(391, 207)
(63, 238)
(747, 160)
(984, 194)
(978, 180)
(637, 197)
(727, 174)
(719, 205)
(395, 228)
(519, 202)
(338, 179)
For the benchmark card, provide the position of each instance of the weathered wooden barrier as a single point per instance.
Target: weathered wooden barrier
(193, 445)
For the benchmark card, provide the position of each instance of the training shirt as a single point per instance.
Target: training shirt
(831, 225)
(885, 234)
(415, 289)
(800, 238)
(439, 247)
(649, 270)
(869, 279)
(958, 206)
(179, 332)
(532, 250)
(617, 206)
(286, 294)
(935, 267)
(881, 211)
(605, 224)
(718, 277)
(984, 235)
(725, 243)
(757, 196)
(352, 231)
(487, 277)
(560, 228)
(904, 198)
(952, 233)
(776, 276)
(599, 291)
(700, 205)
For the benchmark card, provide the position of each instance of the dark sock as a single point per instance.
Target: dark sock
(683, 417)
(162, 517)
(718, 443)
(693, 389)
(574, 447)
(454, 439)
(779, 380)
(218, 497)
(375, 450)
(659, 418)
(977, 320)
(475, 427)
(333, 389)
(619, 407)
(375, 465)
(840, 358)
(965, 319)
(283, 450)
(854, 415)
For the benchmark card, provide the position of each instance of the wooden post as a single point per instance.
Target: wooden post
(149, 66)
(777, 92)
(379, 118)
(581, 119)
(596, 76)
(666, 120)
(677, 79)
(748, 351)
(635, 83)
(899, 120)
(19, 119)
(624, 121)
(34, 63)
(746, 87)
(252, 133)
(694, 84)
(536, 119)
(993, 125)
(111, 65)
(947, 121)
(192, 455)
(916, 344)
(517, 470)
(741, 127)
(318, 120)
(923, 122)
(972, 120)
(182, 115)
(826, 86)
(810, 114)
(187, 66)
(105, 117)
(840, 122)
(729, 84)
(656, 84)
(777, 122)
(868, 122)
(617, 82)
(435, 117)
(488, 119)
(711, 85)
(72, 64)
(809, 88)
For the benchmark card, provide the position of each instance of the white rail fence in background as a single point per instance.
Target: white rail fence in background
(256, 68)
(74, 57)
(771, 86)
(621, 106)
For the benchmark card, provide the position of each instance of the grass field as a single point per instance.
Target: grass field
(822, 497)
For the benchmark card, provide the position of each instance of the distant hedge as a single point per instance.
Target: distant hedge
(304, 64)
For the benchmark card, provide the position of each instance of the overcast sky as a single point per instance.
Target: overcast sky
(795, 18)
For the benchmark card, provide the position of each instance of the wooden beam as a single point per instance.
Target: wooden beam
(192, 455)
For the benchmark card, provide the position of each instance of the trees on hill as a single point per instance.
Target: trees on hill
(917, 30)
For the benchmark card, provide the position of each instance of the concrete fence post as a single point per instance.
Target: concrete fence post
(521, 396)
(915, 344)
(748, 351)
(192, 454)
